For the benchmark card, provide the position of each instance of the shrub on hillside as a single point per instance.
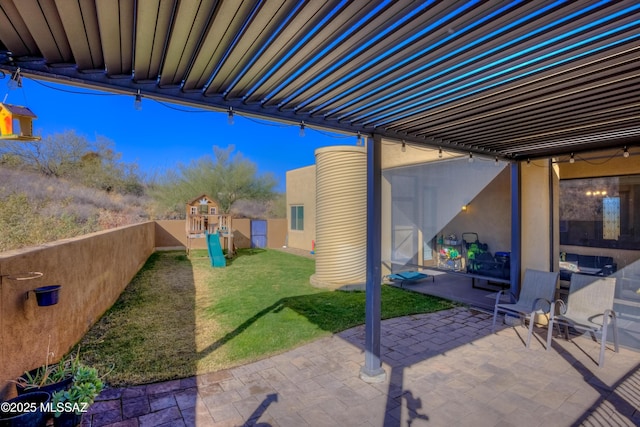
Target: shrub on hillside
(35, 209)
(25, 221)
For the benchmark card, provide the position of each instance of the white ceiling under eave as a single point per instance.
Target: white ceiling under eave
(516, 80)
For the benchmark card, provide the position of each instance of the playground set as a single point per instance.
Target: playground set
(204, 222)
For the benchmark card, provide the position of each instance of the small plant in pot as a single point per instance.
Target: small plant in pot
(49, 378)
(69, 405)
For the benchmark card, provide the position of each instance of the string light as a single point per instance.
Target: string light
(497, 163)
(230, 118)
(528, 163)
(440, 152)
(625, 153)
(404, 147)
(470, 157)
(137, 103)
(182, 110)
(359, 143)
(572, 160)
(301, 133)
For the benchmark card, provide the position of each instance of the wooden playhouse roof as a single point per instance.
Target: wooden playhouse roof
(200, 197)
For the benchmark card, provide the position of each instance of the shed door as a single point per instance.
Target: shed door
(258, 233)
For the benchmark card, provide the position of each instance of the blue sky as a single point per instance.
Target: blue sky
(161, 135)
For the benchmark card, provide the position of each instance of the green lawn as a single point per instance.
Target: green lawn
(180, 317)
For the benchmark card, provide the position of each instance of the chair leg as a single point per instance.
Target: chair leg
(549, 333)
(531, 318)
(614, 324)
(603, 343)
(495, 314)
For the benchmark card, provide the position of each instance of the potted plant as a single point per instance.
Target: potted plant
(69, 405)
(48, 378)
(25, 410)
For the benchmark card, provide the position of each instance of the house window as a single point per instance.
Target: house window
(194, 210)
(297, 217)
(213, 211)
(600, 212)
(204, 209)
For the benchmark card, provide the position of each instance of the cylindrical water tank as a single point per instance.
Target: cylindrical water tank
(341, 216)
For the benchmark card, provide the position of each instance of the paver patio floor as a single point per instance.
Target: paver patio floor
(442, 369)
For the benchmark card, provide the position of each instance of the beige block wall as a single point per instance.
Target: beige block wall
(301, 190)
(92, 270)
(242, 233)
(170, 234)
(276, 232)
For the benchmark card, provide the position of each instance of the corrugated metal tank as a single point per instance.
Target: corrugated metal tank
(341, 216)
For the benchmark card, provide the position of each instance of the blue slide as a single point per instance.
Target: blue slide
(215, 251)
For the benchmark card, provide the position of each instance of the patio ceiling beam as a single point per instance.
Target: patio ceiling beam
(499, 79)
(175, 95)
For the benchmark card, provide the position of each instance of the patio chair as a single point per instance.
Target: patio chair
(589, 308)
(536, 296)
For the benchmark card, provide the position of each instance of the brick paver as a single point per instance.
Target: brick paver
(442, 369)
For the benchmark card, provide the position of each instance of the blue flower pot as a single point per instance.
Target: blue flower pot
(36, 418)
(47, 295)
(49, 388)
(67, 419)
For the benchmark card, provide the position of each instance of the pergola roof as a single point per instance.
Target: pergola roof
(512, 79)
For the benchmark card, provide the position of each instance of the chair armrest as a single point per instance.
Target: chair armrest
(538, 300)
(558, 302)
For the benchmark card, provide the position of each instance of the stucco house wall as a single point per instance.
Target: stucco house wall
(301, 191)
(536, 217)
(489, 213)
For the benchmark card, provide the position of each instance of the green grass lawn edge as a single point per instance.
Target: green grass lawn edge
(180, 317)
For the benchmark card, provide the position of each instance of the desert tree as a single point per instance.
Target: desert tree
(226, 176)
(69, 155)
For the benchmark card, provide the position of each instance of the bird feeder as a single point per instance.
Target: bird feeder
(16, 123)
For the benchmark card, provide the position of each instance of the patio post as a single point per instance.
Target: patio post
(372, 370)
(516, 228)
